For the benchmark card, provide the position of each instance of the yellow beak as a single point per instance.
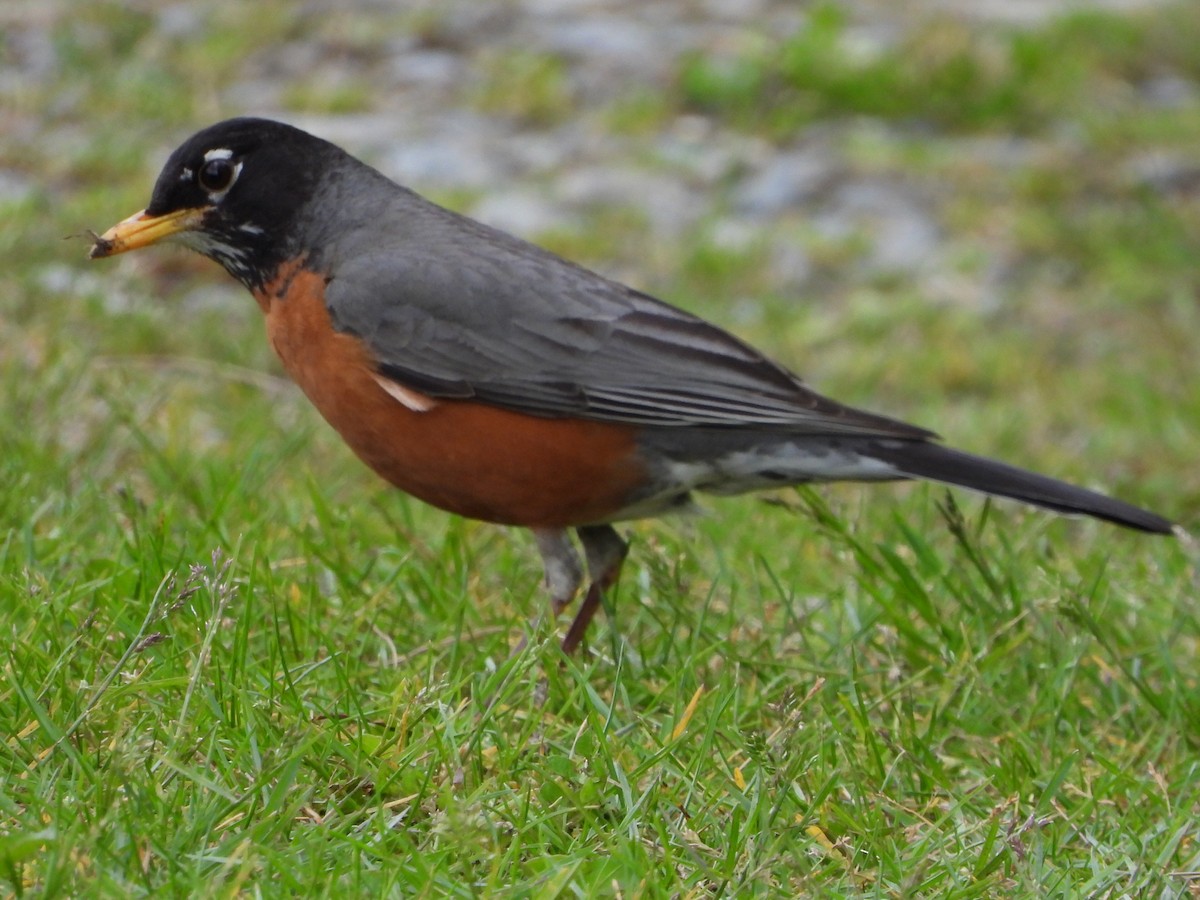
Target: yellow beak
(141, 230)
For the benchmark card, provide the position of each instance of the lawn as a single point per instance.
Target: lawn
(237, 665)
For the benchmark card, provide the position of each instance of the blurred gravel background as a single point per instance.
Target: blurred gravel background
(527, 112)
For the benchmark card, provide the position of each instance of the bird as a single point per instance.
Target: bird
(496, 380)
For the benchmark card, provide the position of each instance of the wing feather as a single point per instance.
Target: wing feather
(463, 311)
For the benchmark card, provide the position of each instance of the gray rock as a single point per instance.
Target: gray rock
(15, 187)
(791, 265)
(1170, 92)
(668, 205)
(442, 163)
(784, 182)
(735, 234)
(1005, 152)
(255, 96)
(459, 150)
(536, 153)
(707, 154)
(609, 40)
(1164, 171)
(27, 53)
(541, 9)
(902, 235)
(1018, 12)
(180, 20)
(521, 211)
(736, 10)
(426, 68)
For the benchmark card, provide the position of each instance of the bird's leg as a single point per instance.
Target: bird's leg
(605, 551)
(564, 573)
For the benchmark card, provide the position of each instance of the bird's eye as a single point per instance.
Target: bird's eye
(217, 175)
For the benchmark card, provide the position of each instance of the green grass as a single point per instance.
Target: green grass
(237, 665)
(944, 72)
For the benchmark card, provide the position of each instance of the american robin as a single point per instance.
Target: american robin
(493, 379)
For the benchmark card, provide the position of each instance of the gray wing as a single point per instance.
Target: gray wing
(463, 311)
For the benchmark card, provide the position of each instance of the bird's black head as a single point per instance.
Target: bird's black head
(233, 192)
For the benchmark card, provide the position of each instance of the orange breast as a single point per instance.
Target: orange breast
(469, 458)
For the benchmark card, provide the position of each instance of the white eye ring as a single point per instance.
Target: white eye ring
(217, 175)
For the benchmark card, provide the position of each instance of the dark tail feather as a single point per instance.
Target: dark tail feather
(934, 462)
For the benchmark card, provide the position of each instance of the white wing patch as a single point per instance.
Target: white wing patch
(414, 400)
